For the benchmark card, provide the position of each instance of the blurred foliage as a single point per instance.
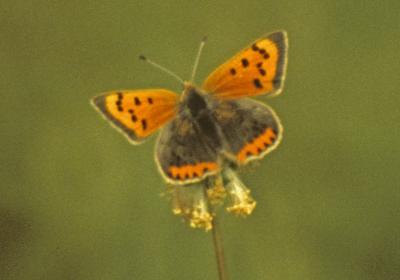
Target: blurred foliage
(78, 202)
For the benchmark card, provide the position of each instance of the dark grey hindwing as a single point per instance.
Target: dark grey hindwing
(183, 153)
(249, 127)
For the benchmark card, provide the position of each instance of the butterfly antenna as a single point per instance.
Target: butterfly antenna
(196, 62)
(162, 68)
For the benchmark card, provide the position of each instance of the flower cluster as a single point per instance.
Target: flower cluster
(195, 202)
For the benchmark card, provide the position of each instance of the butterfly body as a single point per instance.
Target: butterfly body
(208, 126)
(198, 107)
(208, 132)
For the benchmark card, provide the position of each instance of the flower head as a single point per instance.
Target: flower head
(196, 202)
(242, 203)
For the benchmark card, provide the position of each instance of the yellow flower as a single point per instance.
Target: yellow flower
(196, 202)
(242, 203)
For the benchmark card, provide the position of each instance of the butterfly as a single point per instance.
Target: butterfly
(206, 127)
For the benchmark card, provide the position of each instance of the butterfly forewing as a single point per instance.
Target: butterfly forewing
(137, 113)
(258, 69)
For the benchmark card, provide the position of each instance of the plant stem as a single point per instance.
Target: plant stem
(219, 251)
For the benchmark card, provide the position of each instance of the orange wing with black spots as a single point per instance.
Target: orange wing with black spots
(258, 69)
(250, 128)
(183, 154)
(137, 113)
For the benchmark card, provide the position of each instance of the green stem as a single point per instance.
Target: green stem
(219, 251)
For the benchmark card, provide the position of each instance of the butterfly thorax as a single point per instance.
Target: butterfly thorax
(196, 105)
(194, 101)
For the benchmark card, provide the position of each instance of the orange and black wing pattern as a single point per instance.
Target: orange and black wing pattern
(182, 153)
(258, 69)
(137, 113)
(250, 128)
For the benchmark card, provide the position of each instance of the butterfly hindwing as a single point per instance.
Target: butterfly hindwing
(250, 128)
(137, 113)
(183, 154)
(258, 69)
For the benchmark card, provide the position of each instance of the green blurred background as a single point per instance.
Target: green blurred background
(77, 201)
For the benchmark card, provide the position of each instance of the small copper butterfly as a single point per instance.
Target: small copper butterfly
(208, 126)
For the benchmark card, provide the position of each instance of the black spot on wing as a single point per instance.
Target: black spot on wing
(245, 62)
(266, 145)
(99, 102)
(144, 124)
(257, 83)
(254, 47)
(119, 102)
(137, 101)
